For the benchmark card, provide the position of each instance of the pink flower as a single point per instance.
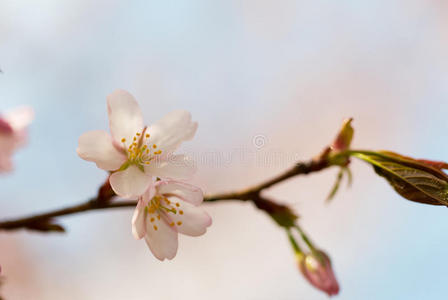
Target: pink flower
(166, 209)
(134, 152)
(316, 267)
(13, 134)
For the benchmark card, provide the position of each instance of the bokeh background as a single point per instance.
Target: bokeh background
(289, 71)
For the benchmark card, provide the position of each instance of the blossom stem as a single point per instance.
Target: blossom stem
(44, 222)
(305, 238)
(301, 168)
(293, 242)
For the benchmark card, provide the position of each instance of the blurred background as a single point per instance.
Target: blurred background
(288, 71)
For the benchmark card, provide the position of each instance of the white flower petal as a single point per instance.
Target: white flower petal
(125, 116)
(130, 183)
(20, 117)
(8, 144)
(189, 219)
(97, 146)
(149, 194)
(174, 166)
(184, 191)
(20, 138)
(139, 220)
(160, 237)
(173, 129)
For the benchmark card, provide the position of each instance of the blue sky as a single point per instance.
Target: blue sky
(289, 70)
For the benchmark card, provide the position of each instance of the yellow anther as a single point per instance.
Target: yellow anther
(152, 209)
(179, 223)
(158, 152)
(135, 138)
(158, 217)
(123, 140)
(177, 204)
(147, 135)
(172, 224)
(144, 147)
(155, 227)
(138, 133)
(154, 146)
(152, 219)
(181, 212)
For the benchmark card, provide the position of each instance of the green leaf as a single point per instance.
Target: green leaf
(413, 179)
(349, 176)
(342, 171)
(336, 185)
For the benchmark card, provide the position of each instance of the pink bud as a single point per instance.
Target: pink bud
(344, 138)
(5, 127)
(316, 267)
(13, 134)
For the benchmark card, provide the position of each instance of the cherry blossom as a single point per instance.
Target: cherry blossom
(316, 267)
(166, 209)
(135, 153)
(13, 134)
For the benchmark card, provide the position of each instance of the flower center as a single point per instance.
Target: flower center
(140, 151)
(160, 204)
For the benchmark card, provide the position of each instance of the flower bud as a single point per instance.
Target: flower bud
(105, 192)
(341, 144)
(5, 127)
(316, 267)
(344, 138)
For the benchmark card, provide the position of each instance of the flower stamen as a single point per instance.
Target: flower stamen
(139, 151)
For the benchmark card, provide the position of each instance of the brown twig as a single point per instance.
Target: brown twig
(44, 222)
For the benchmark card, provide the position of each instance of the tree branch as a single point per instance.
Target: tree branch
(44, 222)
